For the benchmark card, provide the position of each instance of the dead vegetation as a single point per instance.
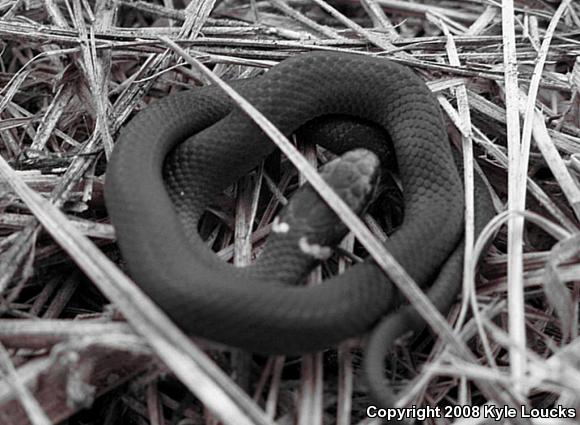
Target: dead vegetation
(72, 72)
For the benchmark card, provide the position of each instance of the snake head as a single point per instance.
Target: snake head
(354, 177)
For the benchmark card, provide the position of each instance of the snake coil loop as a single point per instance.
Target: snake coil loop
(175, 155)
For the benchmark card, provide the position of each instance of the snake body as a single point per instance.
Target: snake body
(177, 154)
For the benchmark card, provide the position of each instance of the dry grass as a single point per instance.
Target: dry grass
(73, 72)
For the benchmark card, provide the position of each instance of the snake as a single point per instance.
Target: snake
(176, 155)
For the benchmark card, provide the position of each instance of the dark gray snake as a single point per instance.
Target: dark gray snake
(176, 155)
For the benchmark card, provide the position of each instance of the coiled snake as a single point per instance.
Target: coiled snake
(176, 155)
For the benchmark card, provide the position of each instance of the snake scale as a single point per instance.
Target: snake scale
(175, 156)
